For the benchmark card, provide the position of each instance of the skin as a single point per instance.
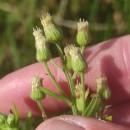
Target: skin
(111, 58)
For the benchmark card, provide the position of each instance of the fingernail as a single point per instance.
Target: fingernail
(57, 124)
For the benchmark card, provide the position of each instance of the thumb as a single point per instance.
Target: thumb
(78, 123)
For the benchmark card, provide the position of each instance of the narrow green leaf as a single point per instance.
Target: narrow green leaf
(108, 118)
(55, 95)
(93, 107)
(16, 113)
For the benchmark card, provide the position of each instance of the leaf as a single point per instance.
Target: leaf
(93, 107)
(16, 113)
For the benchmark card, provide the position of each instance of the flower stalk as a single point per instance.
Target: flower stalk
(83, 92)
(44, 116)
(53, 78)
(70, 81)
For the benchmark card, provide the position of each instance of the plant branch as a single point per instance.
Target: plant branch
(74, 109)
(56, 65)
(55, 95)
(53, 78)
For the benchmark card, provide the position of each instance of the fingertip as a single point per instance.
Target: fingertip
(77, 123)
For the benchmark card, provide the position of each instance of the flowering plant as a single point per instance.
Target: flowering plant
(81, 100)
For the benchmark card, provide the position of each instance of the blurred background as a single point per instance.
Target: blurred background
(108, 19)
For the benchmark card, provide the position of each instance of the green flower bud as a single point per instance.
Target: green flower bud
(82, 33)
(42, 50)
(79, 96)
(11, 120)
(52, 32)
(2, 119)
(102, 88)
(68, 56)
(78, 63)
(36, 94)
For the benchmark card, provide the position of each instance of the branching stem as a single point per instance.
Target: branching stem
(74, 109)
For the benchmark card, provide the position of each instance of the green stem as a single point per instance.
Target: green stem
(55, 95)
(82, 49)
(56, 65)
(39, 103)
(74, 110)
(53, 78)
(83, 92)
(74, 75)
(61, 54)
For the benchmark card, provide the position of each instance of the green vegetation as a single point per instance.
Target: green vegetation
(108, 18)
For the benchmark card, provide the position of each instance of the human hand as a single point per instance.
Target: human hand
(110, 58)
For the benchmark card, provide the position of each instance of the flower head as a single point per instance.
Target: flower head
(36, 93)
(46, 20)
(78, 90)
(76, 60)
(39, 38)
(52, 32)
(82, 33)
(36, 81)
(43, 52)
(82, 25)
(102, 87)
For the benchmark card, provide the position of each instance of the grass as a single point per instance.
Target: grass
(107, 18)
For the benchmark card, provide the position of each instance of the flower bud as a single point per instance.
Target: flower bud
(52, 32)
(68, 56)
(36, 94)
(11, 120)
(78, 63)
(78, 95)
(42, 50)
(102, 88)
(78, 90)
(82, 33)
